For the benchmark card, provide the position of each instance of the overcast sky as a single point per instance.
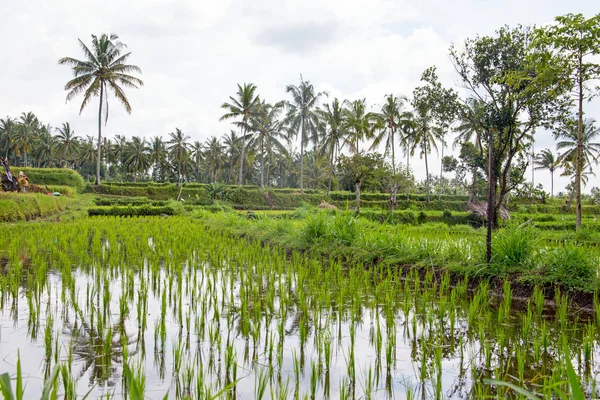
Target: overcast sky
(193, 53)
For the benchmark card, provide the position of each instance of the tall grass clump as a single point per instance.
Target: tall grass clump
(571, 266)
(513, 249)
(345, 228)
(315, 228)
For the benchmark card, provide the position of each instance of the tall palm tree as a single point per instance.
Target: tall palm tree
(178, 151)
(334, 131)
(8, 129)
(358, 123)
(196, 157)
(547, 160)
(26, 133)
(471, 127)
(214, 156)
(590, 145)
(267, 130)
(233, 146)
(103, 70)
(67, 143)
(302, 117)
(137, 156)
(87, 151)
(243, 106)
(158, 157)
(45, 147)
(424, 138)
(407, 132)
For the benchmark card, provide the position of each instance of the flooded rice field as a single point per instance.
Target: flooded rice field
(149, 307)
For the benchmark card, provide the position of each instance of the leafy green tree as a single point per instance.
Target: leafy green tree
(546, 159)
(518, 95)
(575, 45)
(360, 168)
(332, 123)
(302, 117)
(103, 70)
(243, 106)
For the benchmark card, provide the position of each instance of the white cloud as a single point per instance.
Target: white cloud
(193, 53)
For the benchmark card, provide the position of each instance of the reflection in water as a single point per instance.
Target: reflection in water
(195, 313)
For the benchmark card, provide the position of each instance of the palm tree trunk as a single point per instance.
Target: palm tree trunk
(99, 134)
(426, 173)
(330, 169)
(578, 155)
(302, 158)
(552, 183)
(407, 171)
(358, 197)
(473, 186)
(262, 165)
(491, 199)
(441, 171)
(25, 158)
(241, 176)
(394, 186)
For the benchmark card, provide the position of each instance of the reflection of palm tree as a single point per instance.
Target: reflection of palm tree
(98, 351)
(546, 160)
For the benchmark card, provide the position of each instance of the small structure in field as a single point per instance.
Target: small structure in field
(479, 209)
(326, 206)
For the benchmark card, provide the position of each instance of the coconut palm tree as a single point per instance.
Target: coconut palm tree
(302, 117)
(334, 132)
(67, 143)
(103, 70)
(471, 127)
(214, 156)
(358, 123)
(178, 148)
(266, 130)
(8, 129)
(158, 157)
(45, 148)
(243, 106)
(233, 146)
(137, 156)
(25, 135)
(407, 132)
(424, 138)
(197, 157)
(547, 160)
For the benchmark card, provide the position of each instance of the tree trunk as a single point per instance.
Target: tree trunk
(552, 183)
(358, 197)
(578, 156)
(408, 171)
(394, 185)
(262, 166)
(491, 198)
(99, 135)
(441, 171)
(241, 176)
(330, 169)
(473, 186)
(302, 158)
(426, 173)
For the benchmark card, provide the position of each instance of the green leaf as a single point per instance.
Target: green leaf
(514, 387)
(5, 387)
(576, 389)
(49, 383)
(19, 378)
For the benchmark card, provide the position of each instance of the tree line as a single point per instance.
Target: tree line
(514, 82)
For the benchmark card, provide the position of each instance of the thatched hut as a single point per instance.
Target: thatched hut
(479, 209)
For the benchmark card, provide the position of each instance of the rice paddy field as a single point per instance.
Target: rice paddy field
(190, 307)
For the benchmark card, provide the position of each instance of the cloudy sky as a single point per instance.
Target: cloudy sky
(193, 53)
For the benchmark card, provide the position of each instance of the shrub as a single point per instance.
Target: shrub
(315, 228)
(513, 247)
(571, 266)
(344, 229)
